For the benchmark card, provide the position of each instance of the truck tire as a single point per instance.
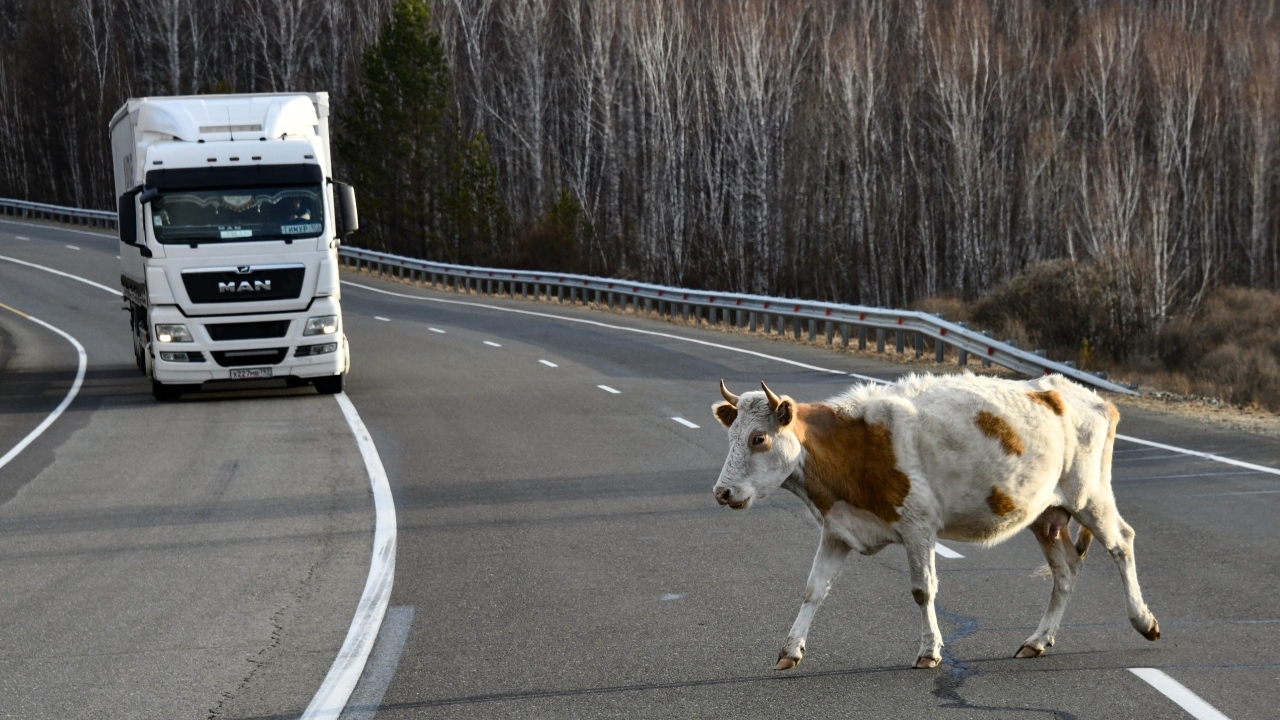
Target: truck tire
(166, 393)
(331, 385)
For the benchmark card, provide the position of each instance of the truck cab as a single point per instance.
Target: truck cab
(230, 222)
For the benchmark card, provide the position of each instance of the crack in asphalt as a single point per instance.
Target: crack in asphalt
(947, 686)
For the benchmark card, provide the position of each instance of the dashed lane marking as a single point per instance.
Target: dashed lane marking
(947, 552)
(548, 363)
(491, 343)
(685, 423)
(436, 330)
(23, 238)
(1177, 692)
(610, 390)
(73, 247)
(379, 317)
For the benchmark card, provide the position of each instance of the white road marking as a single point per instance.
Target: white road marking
(608, 389)
(23, 237)
(668, 597)
(775, 358)
(379, 317)
(548, 363)
(1178, 693)
(367, 697)
(73, 247)
(947, 552)
(491, 343)
(331, 698)
(1206, 456)
(685, 423)
(114, 291)
(1243, 492)
(66, 401)
(436, 330)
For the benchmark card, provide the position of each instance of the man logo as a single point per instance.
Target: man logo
(244, 286)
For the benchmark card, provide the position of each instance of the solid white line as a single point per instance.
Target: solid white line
(379, 317)
(685, 423)
(1178, 693)
(367, 697)
(548, 363)
(332, 696)
(23, 237)
(608, 389)
(806, 366)
(490, 343)
(66, 401)
(436, 330)
(1206, 456)
(114, 291)
(73, 247)
(947, 552)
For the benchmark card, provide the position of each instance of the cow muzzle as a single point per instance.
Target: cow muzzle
(725, 496)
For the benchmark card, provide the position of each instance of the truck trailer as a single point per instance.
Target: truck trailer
(230, 221)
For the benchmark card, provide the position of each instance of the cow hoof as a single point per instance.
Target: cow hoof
(1152, 633)
(786, 663)
(924, 662)
(1029, 651)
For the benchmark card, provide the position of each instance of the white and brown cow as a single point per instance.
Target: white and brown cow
(957, 457)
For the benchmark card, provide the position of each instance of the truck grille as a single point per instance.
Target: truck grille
(240, 358)
(221, 332)
(227, 285)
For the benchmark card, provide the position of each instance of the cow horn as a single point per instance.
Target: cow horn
(774, 400)
(733, 399)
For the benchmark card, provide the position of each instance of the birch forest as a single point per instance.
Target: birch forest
(865, 152)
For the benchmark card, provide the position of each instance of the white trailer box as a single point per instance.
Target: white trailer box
(229, 229)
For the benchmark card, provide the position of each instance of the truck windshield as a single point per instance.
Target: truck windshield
(237, 215)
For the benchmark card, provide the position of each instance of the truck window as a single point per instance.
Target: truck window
(237, 214)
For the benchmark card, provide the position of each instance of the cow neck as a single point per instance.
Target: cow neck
(849, 459)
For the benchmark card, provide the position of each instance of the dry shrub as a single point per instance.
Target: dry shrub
(1042, 308)
(951, 308)
(1230, 347)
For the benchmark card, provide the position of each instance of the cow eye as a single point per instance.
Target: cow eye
(758, 439)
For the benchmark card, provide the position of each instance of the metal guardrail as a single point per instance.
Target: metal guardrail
(57, 213)
(753, 312)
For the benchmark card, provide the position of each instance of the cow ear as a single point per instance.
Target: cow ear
(725, 413)
(786, 411)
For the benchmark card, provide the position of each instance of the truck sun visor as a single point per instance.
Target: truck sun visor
(221, 177)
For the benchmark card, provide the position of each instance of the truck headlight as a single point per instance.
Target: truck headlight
(173, 333)
(322, 325)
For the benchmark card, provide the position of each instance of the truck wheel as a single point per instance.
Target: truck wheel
(166, 393)
(331, 385)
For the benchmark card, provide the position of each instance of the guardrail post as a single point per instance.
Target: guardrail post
(879, 340)
(862, 337)
(939, 351)
(919, 343)
(795, 327)
(830, 327)
(897, 342)
(844, 335)
(813, 329)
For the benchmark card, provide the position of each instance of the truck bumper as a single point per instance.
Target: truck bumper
(287, 355)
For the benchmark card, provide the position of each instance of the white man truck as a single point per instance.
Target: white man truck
(229, 227)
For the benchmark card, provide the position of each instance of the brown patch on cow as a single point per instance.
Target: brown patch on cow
(995, 427)
(1000, 503)
(920, 596)
(1051, 399)
(725, 412)
(851, 460)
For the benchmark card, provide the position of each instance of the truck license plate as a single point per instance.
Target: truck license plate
(250, 373)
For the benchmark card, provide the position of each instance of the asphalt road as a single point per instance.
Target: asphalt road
(560, 553)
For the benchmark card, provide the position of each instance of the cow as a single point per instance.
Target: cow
(959, 457)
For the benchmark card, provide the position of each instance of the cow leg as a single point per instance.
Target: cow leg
(924, 587)
(826, 565)
(1064, 563)
(1101, 517)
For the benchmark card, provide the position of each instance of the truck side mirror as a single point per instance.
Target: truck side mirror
(348, 219)
(127, 218)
